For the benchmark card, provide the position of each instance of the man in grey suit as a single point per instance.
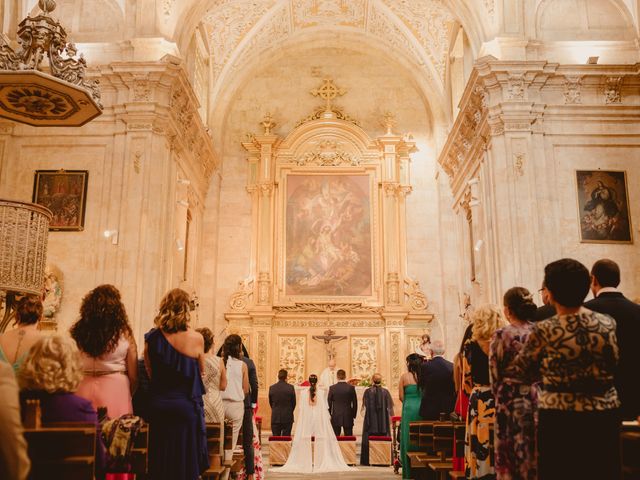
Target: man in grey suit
(282, 399)
(343, 405)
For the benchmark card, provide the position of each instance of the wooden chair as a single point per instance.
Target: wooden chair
(630, 450)
(68, 452)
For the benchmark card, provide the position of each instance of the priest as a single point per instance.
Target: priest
(378, 407)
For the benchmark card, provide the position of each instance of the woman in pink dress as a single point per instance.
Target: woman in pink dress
(109, 353)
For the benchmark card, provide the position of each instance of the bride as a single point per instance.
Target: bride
(314, 420)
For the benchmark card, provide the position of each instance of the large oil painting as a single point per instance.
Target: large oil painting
(63, 192)
(604, 206)
(328, 235)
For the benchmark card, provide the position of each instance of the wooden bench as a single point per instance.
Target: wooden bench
(443, 445)
(215, 445)
(379, 450)
(630, 450)
(279, 449)
(348, 449)
(69, 452)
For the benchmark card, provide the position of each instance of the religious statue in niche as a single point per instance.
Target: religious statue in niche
(328, 235)
(604, 206)
(52, 297)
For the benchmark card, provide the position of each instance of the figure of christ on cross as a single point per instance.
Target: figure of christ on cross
(328, 375)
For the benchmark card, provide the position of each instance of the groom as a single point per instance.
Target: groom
(343, 405)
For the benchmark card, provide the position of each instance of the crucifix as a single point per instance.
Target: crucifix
(328, 337)
(328, 91)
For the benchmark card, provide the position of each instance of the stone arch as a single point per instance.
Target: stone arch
(433, 100)
(576, 20)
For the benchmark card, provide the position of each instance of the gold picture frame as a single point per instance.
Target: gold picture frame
(603, 206)
(64, 192)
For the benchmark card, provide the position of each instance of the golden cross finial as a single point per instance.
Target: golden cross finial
(328, 91)
(389, 122)
(268, 123)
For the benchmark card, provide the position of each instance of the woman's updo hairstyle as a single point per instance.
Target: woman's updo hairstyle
(520, 302)
(29, 310)
(313, 381)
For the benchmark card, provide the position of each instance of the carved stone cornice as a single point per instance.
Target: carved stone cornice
(158, 97)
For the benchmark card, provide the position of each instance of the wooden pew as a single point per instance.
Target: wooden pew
(443, 445)
(420, 449)
(69, 452)
(215, 444)
(630, 450)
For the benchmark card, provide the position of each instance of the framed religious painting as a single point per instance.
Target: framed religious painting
(328, 236)
(64, 192)
(603, 204)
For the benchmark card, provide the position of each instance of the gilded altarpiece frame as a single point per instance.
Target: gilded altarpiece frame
(328, 236)
(328, 253)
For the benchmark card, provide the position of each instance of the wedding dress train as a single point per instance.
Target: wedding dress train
(313, 420)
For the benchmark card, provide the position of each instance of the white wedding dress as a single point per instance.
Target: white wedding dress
(313, 420)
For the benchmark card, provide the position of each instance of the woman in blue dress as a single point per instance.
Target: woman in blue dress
(173, 356)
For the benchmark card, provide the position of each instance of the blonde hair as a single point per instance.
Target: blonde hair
(53, 365)
(486, 319)
(174, 314)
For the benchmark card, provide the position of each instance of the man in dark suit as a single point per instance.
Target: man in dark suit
(250, 404)
(605, 278)
(343, 405)
(282, 399)
(436, 382)
(547, 310)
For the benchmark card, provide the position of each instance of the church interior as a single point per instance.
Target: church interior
(328, 179)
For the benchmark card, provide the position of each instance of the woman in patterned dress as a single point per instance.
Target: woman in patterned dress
(463, 385)
(481, 415)
(515, 401)
(215, 380)
(576, 353)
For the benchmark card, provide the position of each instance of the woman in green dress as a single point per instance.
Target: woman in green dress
(410, 396)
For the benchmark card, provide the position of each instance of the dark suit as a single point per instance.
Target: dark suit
(247, 419)
(343, 406)
(439, 393)
(544, 312)
(627, 317)
(282, 399)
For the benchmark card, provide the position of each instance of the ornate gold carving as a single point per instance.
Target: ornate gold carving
(364, 357)
(292, 356)
(431, 24)
(319, 112)
(321, 323)
(414, 296)
(414, 341)
(327, 154)
(328, 308)
(389, 122)
(515, 87)
(267, 123)
(328, 91)
(264, 288)
(393, 289)
(312, 13)
(518, 163)
(141, 90)
(261, 357)
(241, 298)
(572, 85)
(395, 360)
(137, 160)
(612, 90)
